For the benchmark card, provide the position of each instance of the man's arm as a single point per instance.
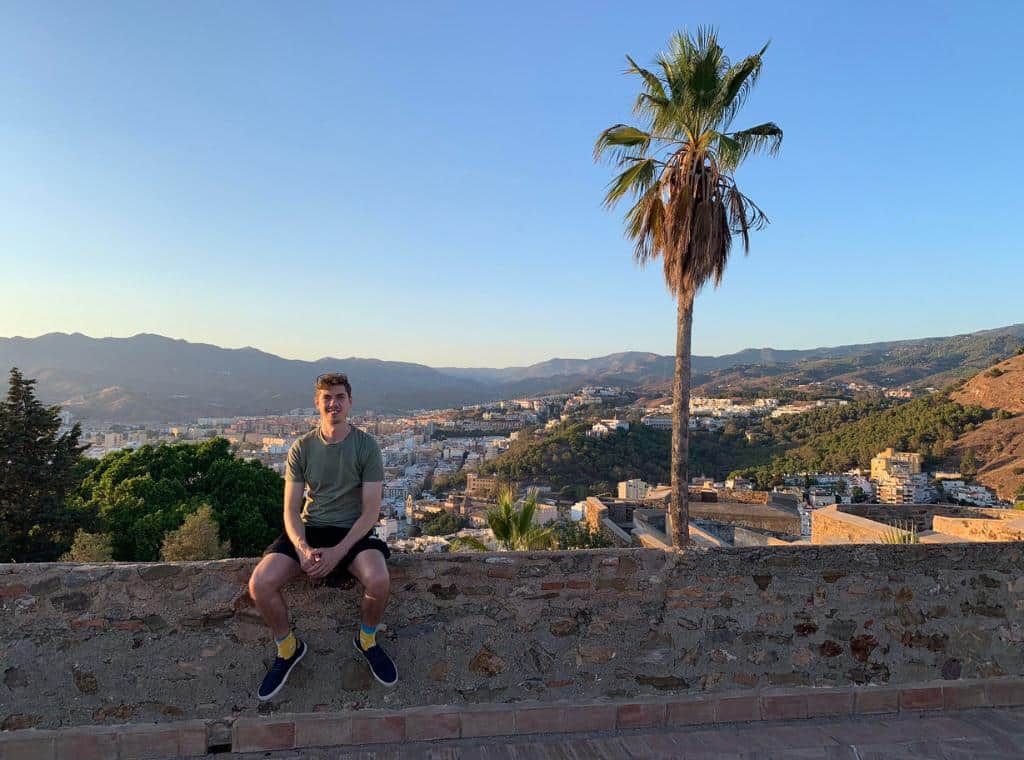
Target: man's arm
(363, 525)
(293, 525)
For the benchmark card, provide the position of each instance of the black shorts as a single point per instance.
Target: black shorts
(324, 536)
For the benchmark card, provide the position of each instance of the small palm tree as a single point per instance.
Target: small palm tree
(513, 528)
(901, 532)
(677, 167)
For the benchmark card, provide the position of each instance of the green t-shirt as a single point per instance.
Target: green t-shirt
(334, 474)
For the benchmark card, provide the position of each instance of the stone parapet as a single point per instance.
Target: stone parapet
(138, 643)
(286, 731)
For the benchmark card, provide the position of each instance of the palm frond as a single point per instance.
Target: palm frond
(468, 543)
(764, 137)
(622, 140)
(637, 179)
(737, 83)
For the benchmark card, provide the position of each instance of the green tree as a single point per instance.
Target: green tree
(570, 534)
(443, 524)
(37, 470)
(198, 538)
(677, 167)
(89, 547)
(968, 464)
(139, 496)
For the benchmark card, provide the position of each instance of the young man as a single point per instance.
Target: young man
(332, 498)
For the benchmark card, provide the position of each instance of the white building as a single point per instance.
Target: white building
(633, 490)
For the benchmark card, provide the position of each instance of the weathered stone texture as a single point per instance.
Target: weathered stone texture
(122, 643)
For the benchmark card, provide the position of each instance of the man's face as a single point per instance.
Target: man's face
(333, 404)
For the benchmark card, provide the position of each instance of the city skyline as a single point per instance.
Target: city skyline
(196, 173)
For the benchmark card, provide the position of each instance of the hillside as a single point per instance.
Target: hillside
(998, 444)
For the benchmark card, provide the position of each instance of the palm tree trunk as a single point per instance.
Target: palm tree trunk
(679, 506)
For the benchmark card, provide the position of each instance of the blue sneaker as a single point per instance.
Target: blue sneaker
(277, 676)
(381, 666)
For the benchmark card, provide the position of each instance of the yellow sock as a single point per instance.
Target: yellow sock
(286, 646)
(367, 636)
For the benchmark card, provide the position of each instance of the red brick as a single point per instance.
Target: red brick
(88, 743)
(377, 729)
(488, 722)
(588, 717)
(255, 735)
(432, 724)
(958, 696)
(738, 708)
(783, 706)
(147, 742)
(8, 592)
(501, 572)
(316, 730)
(692, 711)
(28, 744)
(559, 683)
(539, 720)
(128, 625)
(640, 715)
(88, 623)
(579, 584)
(1005, 692)
(881, 699)
(921, 698)
(823, 702)
(552, 586)
(192, 738)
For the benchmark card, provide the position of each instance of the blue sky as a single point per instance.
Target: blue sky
(414, 181)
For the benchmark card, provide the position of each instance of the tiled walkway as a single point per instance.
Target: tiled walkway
(993, 734)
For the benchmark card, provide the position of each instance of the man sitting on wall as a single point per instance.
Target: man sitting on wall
(332, 497)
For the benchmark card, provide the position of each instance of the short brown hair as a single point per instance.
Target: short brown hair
(329, 379)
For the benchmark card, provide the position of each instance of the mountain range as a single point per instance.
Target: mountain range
(151, 378)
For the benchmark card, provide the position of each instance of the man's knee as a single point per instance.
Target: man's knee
(377, 584)
(261, 583)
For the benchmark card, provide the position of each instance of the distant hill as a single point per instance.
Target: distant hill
(153, 378)
(150, 378)
(998, 444)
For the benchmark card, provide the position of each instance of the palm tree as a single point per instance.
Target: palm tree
(678, 167)
(513, 528)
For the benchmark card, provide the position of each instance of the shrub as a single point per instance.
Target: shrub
(901, 532)
(198, 538)
(90, 547)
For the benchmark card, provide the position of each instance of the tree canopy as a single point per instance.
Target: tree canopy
(37, 469)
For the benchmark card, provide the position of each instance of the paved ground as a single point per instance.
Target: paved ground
(996, 734)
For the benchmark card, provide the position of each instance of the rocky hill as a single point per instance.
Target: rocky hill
(998, 444)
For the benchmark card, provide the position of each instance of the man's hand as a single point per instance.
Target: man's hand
(307, 557)
(329, 559)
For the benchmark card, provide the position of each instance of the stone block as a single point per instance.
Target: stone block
(783, 705)
(545, 719)
(429, 724)
(147, 742)
(870, 700)
(88, 743)
(192, 738)
(595, 717)
(825, 702)
(488, 721)
(964, 695)
(640, 715)
(691, 711)
(28, 744)
(742, 707)
(377, 729)
(256, 735)
(318, 730)
(1005, 692)
(921, 698)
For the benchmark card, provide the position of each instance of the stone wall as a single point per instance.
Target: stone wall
(120, 643)
(982, 530)
(919, 514)
(749, 515)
